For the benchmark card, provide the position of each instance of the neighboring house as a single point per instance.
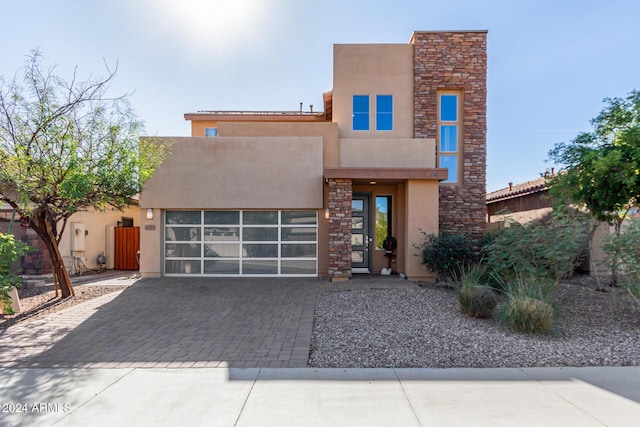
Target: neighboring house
(87, 235)
(400, 147)
(529, 201)
(522, 202)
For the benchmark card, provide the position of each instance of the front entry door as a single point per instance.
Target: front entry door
(360, 233)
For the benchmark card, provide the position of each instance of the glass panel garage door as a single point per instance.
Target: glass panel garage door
(241, 243)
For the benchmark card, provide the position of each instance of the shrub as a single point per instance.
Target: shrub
(528, 307)
(10, 250)
(445, 252)
(623, 251)
(477, 301)
(548, 250)
(476, 298)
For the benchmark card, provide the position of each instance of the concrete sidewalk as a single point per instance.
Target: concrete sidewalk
(320, 397)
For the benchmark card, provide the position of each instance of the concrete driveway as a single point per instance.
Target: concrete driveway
(175, 322)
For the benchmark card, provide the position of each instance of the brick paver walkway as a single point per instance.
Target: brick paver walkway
(174, 322)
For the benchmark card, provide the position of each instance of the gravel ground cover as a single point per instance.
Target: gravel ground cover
(425, 328)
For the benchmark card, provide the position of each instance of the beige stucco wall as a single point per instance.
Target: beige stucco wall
(151, 243)
(198, 126)
(373, 69)
(231, 173)
(95, 223)
(387, 153)
(238, 173)
(523, 217)
(327, 130)
(422, 214)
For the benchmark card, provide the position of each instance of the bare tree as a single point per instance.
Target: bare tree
(66, 146)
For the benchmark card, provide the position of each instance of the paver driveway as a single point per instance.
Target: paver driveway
(175, 322)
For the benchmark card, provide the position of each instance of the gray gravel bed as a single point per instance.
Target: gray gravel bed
(424, 328)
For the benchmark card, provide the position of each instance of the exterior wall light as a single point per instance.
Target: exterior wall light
(149, 213)
(326, 213)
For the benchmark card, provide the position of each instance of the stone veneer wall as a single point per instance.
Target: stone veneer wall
(340, 196)
(37, 261)
(456, 61)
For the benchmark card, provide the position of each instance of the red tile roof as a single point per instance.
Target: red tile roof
(518, 190)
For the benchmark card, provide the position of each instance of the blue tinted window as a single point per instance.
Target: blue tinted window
(449, 108)
(384, 112)
(384, 103)
(451, 163)
(384, 121)
(211, 132)
(449, 138)
(360, 103)
(360, 112)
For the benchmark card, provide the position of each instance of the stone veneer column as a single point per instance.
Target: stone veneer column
(456, 61)
(340, 195)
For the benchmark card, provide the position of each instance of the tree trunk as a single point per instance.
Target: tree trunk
(616, 262)
(593, 269)
(59, 270)
(42, 226)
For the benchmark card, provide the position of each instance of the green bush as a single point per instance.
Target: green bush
(10, 250)
(528, 307)
(623, 253)
(444, 253)
(549, 250)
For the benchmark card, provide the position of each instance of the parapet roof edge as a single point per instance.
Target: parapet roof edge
(444, 31)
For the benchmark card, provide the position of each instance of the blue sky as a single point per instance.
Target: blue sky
(550, 63)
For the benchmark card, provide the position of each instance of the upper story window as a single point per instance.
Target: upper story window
(360, 112)
(211, 132)
(449, 108)
(384, 112)
(449, 126)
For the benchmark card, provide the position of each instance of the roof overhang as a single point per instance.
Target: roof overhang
(389, 175)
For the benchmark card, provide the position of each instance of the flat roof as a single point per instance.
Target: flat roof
(226, 115)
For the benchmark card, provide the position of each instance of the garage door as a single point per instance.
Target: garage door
(241, 243)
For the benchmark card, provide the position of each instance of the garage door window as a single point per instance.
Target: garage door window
(245, 243)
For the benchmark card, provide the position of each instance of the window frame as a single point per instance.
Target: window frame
(380, 239)
(360, 117)
(384, 114)
(450, 122)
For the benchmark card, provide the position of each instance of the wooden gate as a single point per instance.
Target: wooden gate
(126, 247)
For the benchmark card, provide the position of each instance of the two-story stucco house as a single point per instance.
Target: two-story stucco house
(400, 147)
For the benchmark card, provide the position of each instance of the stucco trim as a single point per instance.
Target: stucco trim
(256, 116)
(386, 173)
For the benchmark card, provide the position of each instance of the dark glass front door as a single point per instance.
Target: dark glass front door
(360, 232)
